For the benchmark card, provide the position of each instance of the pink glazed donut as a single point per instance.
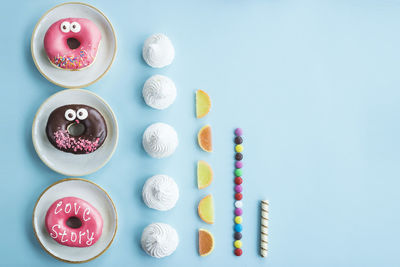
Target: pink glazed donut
(73, 222)
(72, 43)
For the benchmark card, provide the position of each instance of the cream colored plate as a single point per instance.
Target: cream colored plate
(67, 163)
(93, 194)
(105, 55)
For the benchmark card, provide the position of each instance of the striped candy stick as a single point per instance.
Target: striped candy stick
(264, 229)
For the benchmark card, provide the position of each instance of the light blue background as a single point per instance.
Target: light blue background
(314, 85)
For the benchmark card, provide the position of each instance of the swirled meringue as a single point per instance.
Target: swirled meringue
(160, 140)
(158, 51)
(159, 92)
(160, 192)
(159, 240)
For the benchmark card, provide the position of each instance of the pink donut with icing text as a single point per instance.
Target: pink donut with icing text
(72, 43)
(73, 222)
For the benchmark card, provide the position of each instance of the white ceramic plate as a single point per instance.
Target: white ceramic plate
(67, 163)
(93, 194)
(105, 55)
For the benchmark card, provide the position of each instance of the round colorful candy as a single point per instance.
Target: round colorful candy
(239, 148)
(239, 156)
(238, 252)
(238, 132)
(238, 228)
(238, 220)
(238, 204)
(238, 236)
(238, 211)
(238, 140)
(238, 196)
(239, 164)
(238, 188)
(238, 172)
(238, 180)
(237, 244)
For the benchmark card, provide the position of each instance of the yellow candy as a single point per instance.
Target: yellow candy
(206, 209)
(237, 244)
(203, 103)
(239, 148)
(204, 174)
(238, 220)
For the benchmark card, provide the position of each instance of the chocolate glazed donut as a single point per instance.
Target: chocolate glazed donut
(77, 129)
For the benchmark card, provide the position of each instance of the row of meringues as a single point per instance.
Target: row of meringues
(160, 192)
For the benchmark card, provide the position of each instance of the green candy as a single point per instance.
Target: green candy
(238, 172)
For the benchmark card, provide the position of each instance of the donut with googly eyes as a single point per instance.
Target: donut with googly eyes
(77, 129)
(72, 43)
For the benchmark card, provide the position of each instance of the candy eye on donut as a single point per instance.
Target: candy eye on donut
(75, 27)
(70, 114)
(65, 26)
(82, 114)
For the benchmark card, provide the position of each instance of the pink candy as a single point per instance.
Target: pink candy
(238, 131)
(238, 188)
(239, 164)
(238, 211)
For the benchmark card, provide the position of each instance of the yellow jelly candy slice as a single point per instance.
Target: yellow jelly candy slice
(206, 209)
(204, 174)
(203, 103)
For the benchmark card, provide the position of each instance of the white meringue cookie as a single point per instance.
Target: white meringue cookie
(160, 140)
(160, 192)
(159, 92)
(159, 240)
(158, 51)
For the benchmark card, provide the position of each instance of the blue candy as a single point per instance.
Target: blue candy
(238, 228)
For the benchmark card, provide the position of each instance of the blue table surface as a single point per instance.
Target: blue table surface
(315, 86)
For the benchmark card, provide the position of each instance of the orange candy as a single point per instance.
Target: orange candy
(205, 138)
(206, 242)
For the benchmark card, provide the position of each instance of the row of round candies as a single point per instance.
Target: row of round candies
(238, 192)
